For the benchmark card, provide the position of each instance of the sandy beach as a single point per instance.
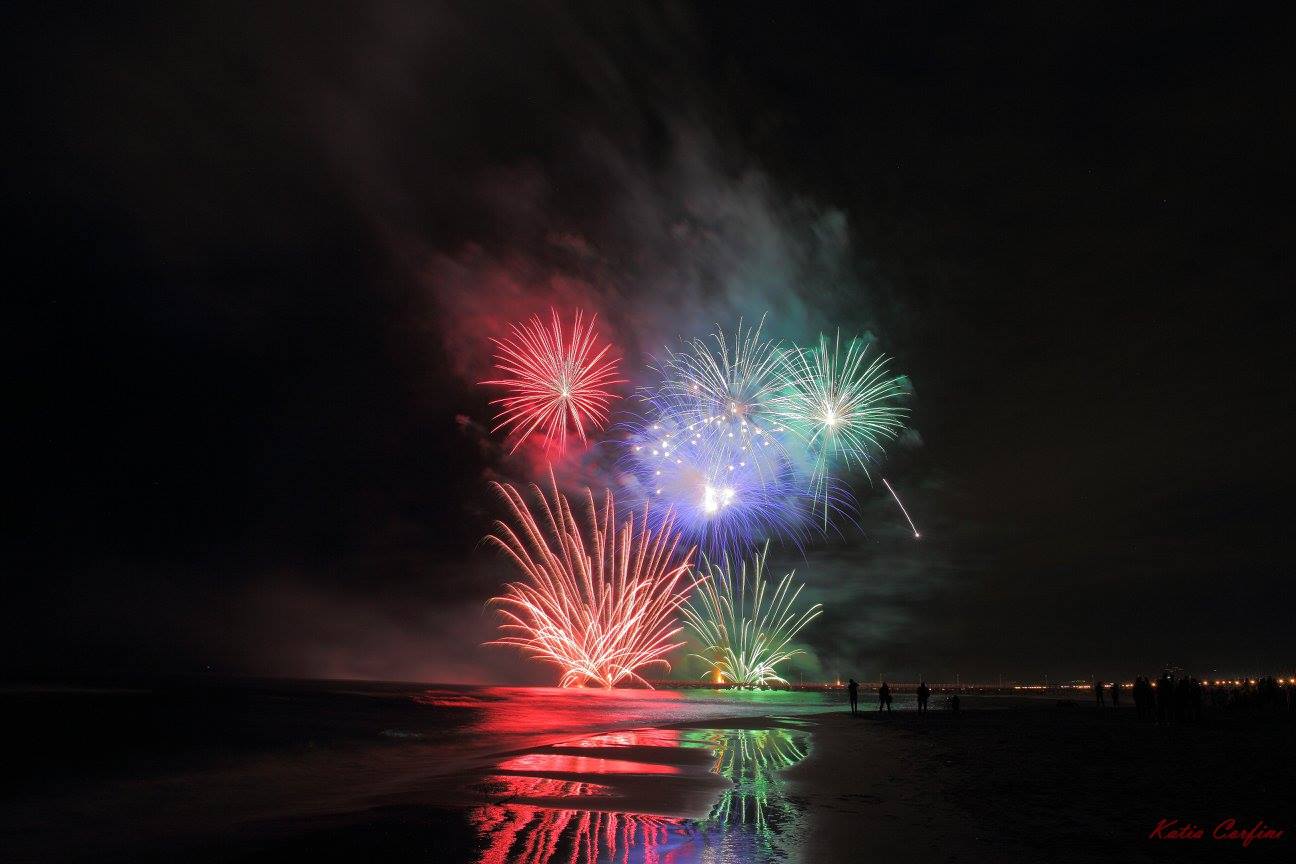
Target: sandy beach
(1034, 782)
(1024, 780)
(1003, 780)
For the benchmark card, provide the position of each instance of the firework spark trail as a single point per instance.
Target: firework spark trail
(902, 509)
(600, 609)
(745, 634)
(554, 382)
(840, 407)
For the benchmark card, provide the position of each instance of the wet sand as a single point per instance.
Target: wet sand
(1037, 782)
(1023, 780)
(1003, 780)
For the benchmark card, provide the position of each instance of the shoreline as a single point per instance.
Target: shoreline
(1004, 779)
(1038, 782)
(1023, 781)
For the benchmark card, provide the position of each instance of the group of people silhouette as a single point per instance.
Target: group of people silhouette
(1179, 700)
(1166, 700)
(885, 698)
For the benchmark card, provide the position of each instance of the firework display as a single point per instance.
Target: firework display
(842, 408)
(724, 395)
(900, 504)
(599, 600)
(745, 438)
(739, 441)
(556, 382)
(722, 498)
(745, 629)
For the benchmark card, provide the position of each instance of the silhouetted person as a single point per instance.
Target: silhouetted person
(884, 697)
(924, 693)
(1115, 695)
(854, 695)
(1098, 693)
(954, 702)
(1183, 699)
(1165, 698)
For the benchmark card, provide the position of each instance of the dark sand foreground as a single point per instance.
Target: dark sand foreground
(1021, 781)
(1037, 782)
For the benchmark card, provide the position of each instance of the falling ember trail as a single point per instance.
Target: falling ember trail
(902, 509)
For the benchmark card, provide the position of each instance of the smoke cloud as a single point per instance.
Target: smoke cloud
(638, 205)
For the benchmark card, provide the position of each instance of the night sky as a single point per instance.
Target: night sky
(260, 251)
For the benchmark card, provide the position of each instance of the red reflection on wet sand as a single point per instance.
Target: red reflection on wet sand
(630, 738)
(511, 786)
(534, 835)
(565, 764)
(527, 710)
(560, 818)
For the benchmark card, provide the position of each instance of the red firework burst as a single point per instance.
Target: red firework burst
(600, 609)
(554, 382)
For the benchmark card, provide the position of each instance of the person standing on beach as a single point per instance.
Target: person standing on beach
(884, 697)
(854, 696)
(924, 693)
(1115, 695)
(1165, 698)
(1098, 693)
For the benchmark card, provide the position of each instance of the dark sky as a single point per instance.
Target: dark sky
(260, 250)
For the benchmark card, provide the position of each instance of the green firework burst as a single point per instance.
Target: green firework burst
(842, 406)
(744, 627)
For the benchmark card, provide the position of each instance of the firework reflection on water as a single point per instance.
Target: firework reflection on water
(531, 818)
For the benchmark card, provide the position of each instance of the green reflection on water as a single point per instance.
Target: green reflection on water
(750, 760)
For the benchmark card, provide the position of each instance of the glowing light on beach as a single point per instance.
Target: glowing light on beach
(745, 630)
(900, 504)
(598, 600)
(556, 382)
